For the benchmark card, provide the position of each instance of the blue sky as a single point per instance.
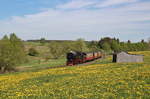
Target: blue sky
(72, 19)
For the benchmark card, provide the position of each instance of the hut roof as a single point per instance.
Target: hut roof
(127, 53)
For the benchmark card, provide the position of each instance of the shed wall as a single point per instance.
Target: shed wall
(124, 57)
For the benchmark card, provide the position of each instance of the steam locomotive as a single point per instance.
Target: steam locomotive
(74, 57)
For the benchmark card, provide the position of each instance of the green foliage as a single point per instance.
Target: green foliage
(33, 52)
(18, 48)
(116, 45)
(42, 41)
(7, 59)
(5, 38)
(93, 46)
(109, 44)
(56, 49)
(106, 46)
(149, 42)
(134, 46)
(11, 52)
(81, 46)
(107, 40)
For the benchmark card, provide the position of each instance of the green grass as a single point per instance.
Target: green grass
(36, 64)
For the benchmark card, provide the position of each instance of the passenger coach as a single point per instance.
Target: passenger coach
(74, 58)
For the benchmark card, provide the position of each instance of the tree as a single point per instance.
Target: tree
(81, 45)
(6, 55)
(42, 41)
(5, 38)
(106, 46)
(67, 47)
(118, 41)
(93, 46)
(149, 42)
(56, 49)
(107, 40)
(11, 52)
(18, 48)
(129, 41)
(130, 46)
(115, 46)
(142, 41)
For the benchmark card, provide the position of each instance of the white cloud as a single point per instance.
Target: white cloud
(86, 23)
(75, 4)
(143, 6)
(107, 3)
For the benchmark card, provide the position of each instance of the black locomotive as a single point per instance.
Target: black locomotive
(75, 57)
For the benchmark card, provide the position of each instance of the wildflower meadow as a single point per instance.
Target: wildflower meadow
(103, 80)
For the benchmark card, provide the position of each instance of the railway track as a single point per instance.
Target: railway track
(22, 69)
(83, 64)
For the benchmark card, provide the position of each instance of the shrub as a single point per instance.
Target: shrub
(33, 52)
(56, 49)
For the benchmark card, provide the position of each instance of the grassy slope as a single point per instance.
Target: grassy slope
(39, 62)
(35, 65)
(105, 80)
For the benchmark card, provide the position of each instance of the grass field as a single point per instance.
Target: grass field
(36, 65)
(40, 61)
(101, 79)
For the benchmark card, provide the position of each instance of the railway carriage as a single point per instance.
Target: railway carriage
(89, 56)
(74, 58)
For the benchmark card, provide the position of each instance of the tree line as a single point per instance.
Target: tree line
(13, 53)
(113, 44)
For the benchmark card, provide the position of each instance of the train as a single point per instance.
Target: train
(75, 57)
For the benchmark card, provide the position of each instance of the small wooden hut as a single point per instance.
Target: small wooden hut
(124, 57)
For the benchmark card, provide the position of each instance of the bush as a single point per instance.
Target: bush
(33, 52)
(56, 49)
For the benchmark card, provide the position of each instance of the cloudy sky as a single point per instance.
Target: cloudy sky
(72, 19)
